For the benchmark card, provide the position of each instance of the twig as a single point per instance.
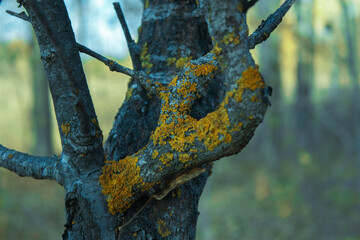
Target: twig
(133, 47)
(113, 65)
(269, 25)
(30, 166)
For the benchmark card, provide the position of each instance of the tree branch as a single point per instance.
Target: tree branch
(21, 15)
(113, 65)
(133, 47)
(31, 166)
(77, 122)
(146, 81)
(269, 25)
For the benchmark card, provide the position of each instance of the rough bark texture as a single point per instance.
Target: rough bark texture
(196, 96)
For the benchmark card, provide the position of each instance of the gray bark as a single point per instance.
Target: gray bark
(180, 116)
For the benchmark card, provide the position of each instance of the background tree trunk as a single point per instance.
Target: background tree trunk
(42, 144)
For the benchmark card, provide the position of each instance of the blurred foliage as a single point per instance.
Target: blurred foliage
(274, 189)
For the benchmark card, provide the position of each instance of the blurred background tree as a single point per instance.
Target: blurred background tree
(299, 178)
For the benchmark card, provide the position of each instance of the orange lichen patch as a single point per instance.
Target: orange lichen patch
(173, 81)
(166, 158)
(184, 157)
(213, 129)
(66, 128)
(118, 180)
(216, 49)
(186, 88)
(231, 38)
(155, 154)
(181, 62)
(237, 127)
(203, 69)
(162, 229)
(250, 79)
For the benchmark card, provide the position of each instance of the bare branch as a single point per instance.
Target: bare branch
(145, 80)
(30, 166)
(269, 25)
(21, 15)
(133, 47)
(77, 122)
(113, 65)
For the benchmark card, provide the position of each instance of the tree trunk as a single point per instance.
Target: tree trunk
(41, 109)
(305, 75)
(180, 35)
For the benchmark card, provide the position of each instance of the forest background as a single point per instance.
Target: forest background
(299, 177)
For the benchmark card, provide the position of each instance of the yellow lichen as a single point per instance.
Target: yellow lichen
(203, 69)
(216, 49)
(250, 79)
(231, 37)
(146, 5)
(212, 129)
(237, 127)
(166, 158)
(181, 62)
(173, 81)
(184, 157)
(162, 229)
(10, 156)
(145, 57)
(66, 128)
(170, 61)
(155, 154)
(118, 180)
